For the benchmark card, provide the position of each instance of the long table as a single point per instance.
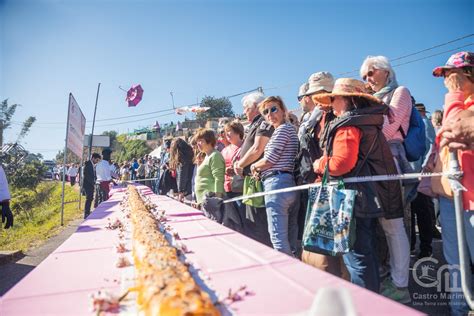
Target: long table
(84, 263)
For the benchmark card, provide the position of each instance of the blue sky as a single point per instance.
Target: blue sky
(196, 48)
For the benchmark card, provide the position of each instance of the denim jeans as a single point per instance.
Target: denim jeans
(361, 261)
(450, 249)
(282, 214)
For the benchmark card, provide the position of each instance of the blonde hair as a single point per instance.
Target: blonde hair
(274, 99)
(437, 117)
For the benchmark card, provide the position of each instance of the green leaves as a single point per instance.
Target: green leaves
(27, 175)
(219, 107)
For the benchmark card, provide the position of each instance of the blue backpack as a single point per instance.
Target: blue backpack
(415, 140)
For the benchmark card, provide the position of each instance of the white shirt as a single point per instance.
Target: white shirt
(103, 171)
(4, 192)
(72, 172)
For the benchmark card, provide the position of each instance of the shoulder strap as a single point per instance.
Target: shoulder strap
(366, 156)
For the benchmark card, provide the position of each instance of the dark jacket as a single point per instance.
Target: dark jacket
(373, 199)
(184, 170)
(89, 176)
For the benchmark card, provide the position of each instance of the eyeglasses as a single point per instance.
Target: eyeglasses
(370, 73)
(273, 109)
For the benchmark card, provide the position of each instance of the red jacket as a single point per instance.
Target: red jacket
(455, 103)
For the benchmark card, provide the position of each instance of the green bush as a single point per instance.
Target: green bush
(37, 215)
(27, 175)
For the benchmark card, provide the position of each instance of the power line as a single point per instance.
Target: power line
(151, 113)
(398, 58)
(426, 57)
(433, 47)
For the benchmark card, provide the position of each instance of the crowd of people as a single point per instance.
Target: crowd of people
(348, 128)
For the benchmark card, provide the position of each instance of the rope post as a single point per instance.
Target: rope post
(464, 261)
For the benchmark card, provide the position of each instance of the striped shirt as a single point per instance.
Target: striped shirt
(282, 148)
(400, 105)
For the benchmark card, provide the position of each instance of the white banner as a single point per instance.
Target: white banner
(76, 127)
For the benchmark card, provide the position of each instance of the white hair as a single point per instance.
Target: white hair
(253, 99)
(377, 62)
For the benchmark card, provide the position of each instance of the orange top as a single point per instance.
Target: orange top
(345, 152)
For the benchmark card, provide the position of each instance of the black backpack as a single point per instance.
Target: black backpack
(309, 151)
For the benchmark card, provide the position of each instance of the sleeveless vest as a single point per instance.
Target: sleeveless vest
(373, 199)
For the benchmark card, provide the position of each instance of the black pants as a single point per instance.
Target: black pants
(89, 197)
(302, 213)
(422, 207)
(73, 181)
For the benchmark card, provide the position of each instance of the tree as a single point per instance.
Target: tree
(28, 175)
(219, 107)
(70, 158)
(6, 115)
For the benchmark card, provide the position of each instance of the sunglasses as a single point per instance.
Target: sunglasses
(369, 74)
(300, 97)
(273, 109)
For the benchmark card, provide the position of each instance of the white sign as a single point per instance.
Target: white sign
(97, 141)
(76, 126)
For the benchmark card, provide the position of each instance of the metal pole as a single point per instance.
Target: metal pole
(93, 122)
(64, 161)
(464, 261)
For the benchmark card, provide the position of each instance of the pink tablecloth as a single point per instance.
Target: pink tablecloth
(85, 262)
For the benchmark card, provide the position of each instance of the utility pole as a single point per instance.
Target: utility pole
(172, 99)
(93, 122)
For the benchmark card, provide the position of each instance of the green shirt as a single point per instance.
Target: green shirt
(210, 175)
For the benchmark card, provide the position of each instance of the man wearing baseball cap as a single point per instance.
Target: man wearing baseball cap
(319, 82)
(459, 105)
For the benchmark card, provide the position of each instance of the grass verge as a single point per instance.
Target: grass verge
(38, 216)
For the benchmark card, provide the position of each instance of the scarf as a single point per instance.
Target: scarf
(391, 85)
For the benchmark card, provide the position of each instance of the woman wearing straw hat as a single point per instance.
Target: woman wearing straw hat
(355, 146)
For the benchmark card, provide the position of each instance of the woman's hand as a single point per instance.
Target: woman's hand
(316, 166)
(229, 171)
(237, 169)
(255, 171)
(456, 81)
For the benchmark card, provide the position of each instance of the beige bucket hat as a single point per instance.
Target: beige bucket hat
(320, 81)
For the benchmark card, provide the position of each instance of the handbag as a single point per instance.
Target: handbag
(237, 183)
(330, 225)
(330, 221)
(251, 186)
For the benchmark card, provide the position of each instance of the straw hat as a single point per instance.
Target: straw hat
(346, 87)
